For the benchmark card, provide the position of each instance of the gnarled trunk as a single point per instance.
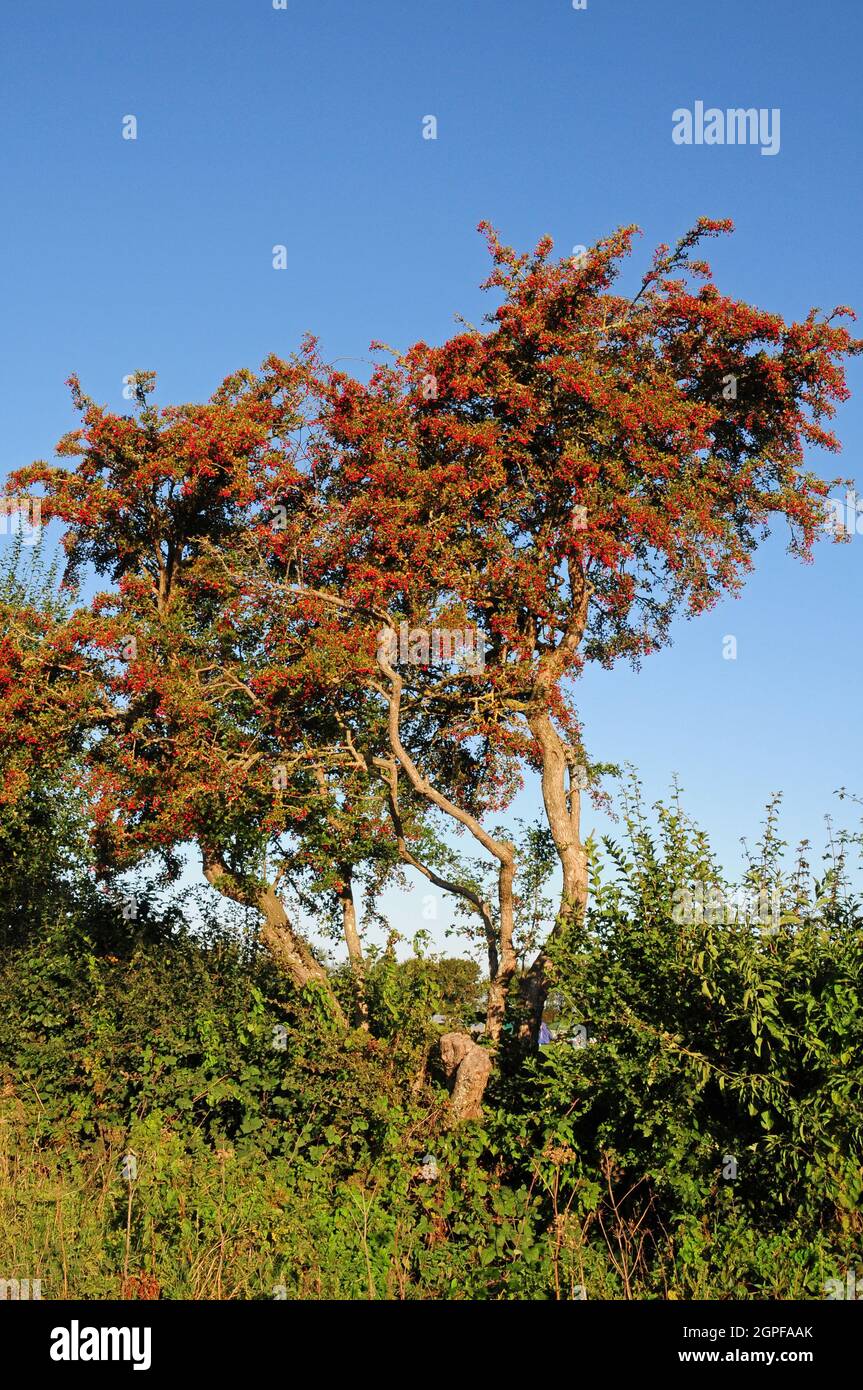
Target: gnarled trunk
(468, 1067)
(562, 799)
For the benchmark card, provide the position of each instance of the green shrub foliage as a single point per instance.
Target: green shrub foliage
(177, 1121)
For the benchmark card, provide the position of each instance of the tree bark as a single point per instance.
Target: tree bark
(468, 1067)
(501, 977)
(353, 943)
(562, 800)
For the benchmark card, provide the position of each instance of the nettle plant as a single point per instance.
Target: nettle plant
(561, 483)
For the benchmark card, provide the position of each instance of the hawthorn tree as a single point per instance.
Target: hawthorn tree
(373, 571)
(212, 724)
(568, 480)
(561, 483)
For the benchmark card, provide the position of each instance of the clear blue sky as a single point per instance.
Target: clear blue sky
(304, 127)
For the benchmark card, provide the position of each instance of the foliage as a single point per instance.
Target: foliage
(215, 1110)
(562, 483)
(278, 1156)
(714, 1088)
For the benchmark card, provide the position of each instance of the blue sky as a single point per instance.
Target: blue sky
(303, 127)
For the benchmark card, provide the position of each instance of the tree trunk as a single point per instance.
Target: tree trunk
(291, 953)
(502, 960)
(468, 1067)
(354, 945)
(562, 799)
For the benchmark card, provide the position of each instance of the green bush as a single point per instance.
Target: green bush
(693, 1131)
(707, 1123)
